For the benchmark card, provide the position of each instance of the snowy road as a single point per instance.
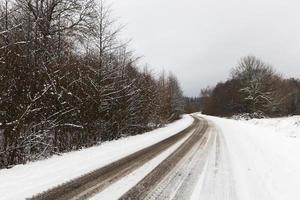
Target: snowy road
(211, 158)
(170, 169)
(231, 160)
(198, 168)
(203, 172)
(192, 164)
(24, 181)
(101, 179)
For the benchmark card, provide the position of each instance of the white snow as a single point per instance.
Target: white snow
(261, 157)
(196, 194)
(217, 181)
(116, 190)
(264, 158)
(24, 181)
(289, 126)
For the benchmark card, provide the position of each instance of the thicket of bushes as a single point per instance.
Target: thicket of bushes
(254, 87)
(67, 82)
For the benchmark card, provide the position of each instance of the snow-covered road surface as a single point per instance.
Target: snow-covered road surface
(24, 181)
(239, 161)
(216, 182)
(204, 172)
(219, 159)
(167, 153)
(171, 177)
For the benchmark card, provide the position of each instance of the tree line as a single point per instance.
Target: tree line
(254, 87)
(192, 104)
(68, 82)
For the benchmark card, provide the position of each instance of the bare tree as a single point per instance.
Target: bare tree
(257, 84)
(55, 97)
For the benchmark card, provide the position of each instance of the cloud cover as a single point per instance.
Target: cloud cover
(201, 40)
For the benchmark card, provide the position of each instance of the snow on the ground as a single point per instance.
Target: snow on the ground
(119, 188)
(216, 181)
(23, 181)
(264, 159)
(290, 126)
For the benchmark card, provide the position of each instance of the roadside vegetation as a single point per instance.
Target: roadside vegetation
(254, 87)
(67, 81)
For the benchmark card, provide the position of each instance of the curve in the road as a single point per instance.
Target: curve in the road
(94, 182)
(151, 187)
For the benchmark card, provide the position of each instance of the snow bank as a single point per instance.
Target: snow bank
(289, 126)
(266, 165)
(24, 181)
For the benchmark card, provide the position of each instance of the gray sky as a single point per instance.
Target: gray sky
(201, 40)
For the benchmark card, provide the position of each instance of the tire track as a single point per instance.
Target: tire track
(94, 182)
(150, 187)
(218, 181)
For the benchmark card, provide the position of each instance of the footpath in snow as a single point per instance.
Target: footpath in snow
(24, 181)
(264, 157)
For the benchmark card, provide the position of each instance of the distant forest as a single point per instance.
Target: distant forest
(254, 88)
(68, 82)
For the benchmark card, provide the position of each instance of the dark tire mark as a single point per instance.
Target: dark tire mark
(141, 190)
(93, 182)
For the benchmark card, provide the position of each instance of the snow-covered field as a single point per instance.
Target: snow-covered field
(24, 181)
(263, 156)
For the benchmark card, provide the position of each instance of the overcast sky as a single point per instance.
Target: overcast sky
(201, 40)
